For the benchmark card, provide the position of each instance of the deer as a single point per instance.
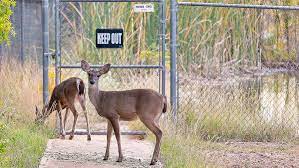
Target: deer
(128, 105)
(64, 96)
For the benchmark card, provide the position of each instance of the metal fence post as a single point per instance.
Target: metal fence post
(173, 69)
(57, 51)
(22, 57)
(297, 41)
(163, 34)
(45, 24)
(57, 42)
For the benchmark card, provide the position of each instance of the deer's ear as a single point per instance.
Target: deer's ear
(104, 69)
(85, 66)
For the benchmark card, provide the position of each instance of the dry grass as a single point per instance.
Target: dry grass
(20, 87)
(21, 142)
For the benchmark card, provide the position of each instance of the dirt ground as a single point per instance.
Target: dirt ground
(79, 153)
(253, 154)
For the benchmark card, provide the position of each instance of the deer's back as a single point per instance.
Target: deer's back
(68, 90)
(131, 101)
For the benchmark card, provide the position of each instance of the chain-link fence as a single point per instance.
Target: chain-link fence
(237, 72)
(26, 43)
(142, 46)
(236, 65)
(77, 24)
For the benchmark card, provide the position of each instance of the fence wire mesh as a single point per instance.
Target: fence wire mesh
(238, 77)
(141, 33)
(141, 47)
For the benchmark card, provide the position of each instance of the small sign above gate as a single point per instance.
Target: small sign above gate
(143, 8)
(109, 38)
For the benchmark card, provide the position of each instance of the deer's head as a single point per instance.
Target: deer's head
(94, 74)
(40, 115)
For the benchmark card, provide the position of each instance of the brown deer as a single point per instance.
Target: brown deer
(128, 105)
(64, 96)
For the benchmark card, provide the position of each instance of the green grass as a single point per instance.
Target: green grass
(181, 153)
(180, 148)
(22, 146)
(22, 143)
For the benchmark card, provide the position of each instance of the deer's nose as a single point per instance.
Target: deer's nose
(92, 82)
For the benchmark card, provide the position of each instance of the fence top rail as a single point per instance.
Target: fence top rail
(223, 5)
(115, 66)
(110, 1)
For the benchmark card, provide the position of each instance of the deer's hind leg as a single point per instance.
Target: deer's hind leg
(153, 126)
(65, 117)
(83, 105)
(75, 113)
(61, 129)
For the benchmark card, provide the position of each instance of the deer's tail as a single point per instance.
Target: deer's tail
(81, 87)
(164, 104)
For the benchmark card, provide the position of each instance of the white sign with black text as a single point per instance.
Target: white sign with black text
(143, 8)
(109, 38)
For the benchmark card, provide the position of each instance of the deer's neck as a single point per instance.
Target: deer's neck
(94, 94)
(52, 106)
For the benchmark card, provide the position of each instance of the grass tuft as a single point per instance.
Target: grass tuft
(22, 143)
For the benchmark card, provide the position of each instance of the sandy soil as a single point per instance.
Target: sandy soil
(254, 154)
(137, 153)
(82, 153)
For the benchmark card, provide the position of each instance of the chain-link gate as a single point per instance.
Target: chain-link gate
(139, 64)
(237, 74)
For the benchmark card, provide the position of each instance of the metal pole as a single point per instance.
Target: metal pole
(115, 66)
(45, 25)
(163, 34)
(57, 52)
(110, 1)
(22, 33)
(297, 42)
(57, 42)
(223, 5)
(173, 45)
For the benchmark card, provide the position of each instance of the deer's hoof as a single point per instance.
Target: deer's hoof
(120, 159)
(62, 137)
(88, 138)
(71, 137)
(106, 158)
(153, 162)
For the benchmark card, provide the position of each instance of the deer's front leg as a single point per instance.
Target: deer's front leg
(109, 133)
(115, 124)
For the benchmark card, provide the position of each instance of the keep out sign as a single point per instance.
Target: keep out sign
(109, 38)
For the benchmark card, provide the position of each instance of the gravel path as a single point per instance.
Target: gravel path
(79, 153)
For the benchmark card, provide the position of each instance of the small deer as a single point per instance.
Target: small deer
(64, 96)
(128, 105)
